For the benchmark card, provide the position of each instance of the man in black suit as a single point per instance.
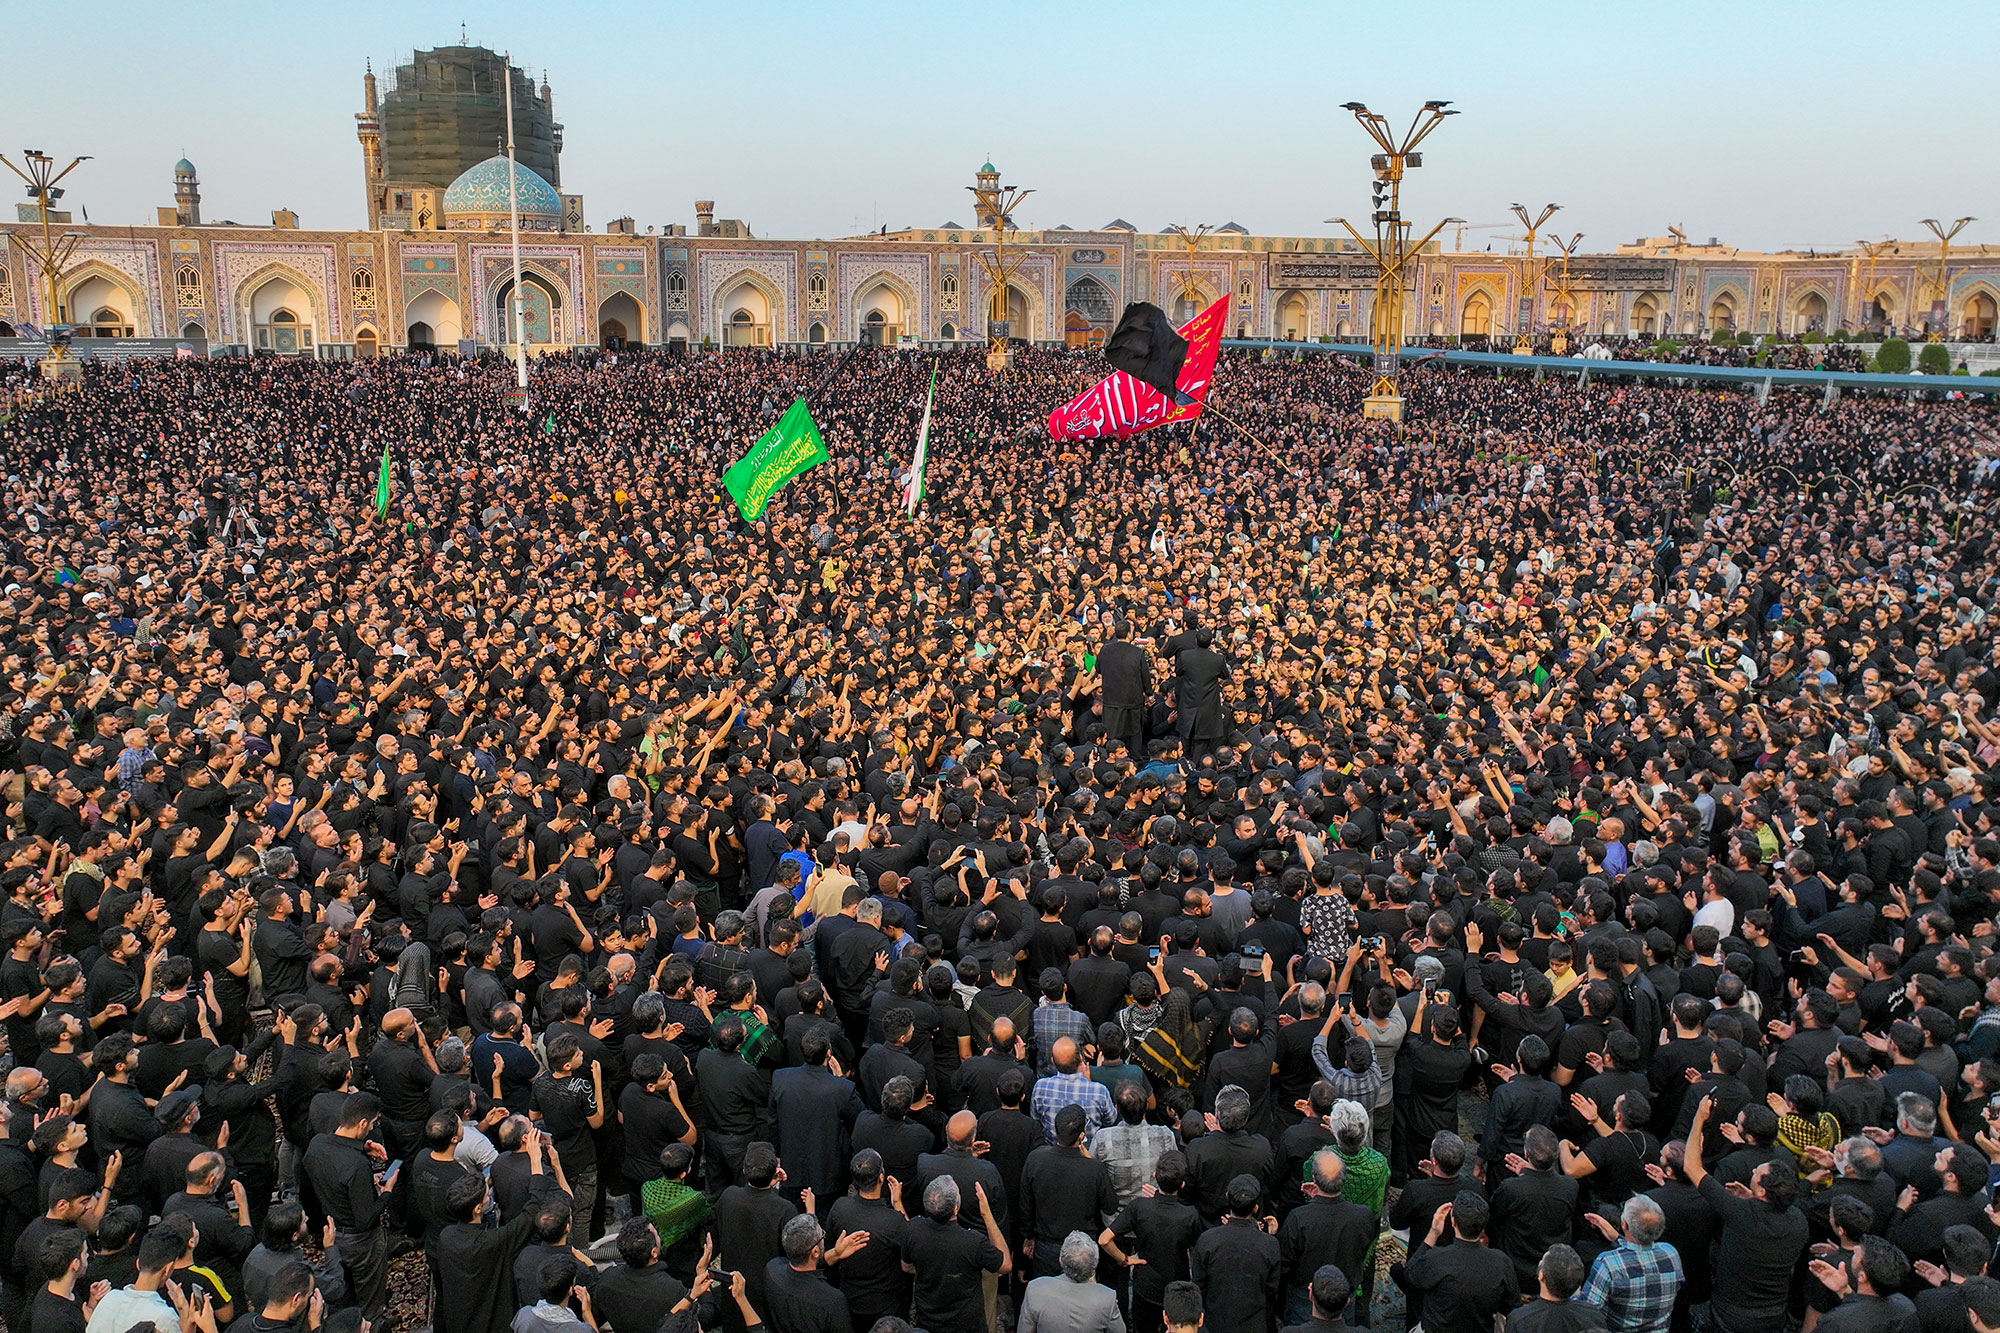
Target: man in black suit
(814, 1110)
(1126, 671)
(1199, 672)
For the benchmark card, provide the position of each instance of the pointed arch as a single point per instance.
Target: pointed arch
(1810, 306)
(868, 298)
(243, 299)
(139, 314)
(1976, 313)
(750, 292)
(1478, 305)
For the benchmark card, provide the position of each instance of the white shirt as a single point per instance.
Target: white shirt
(128, 1307)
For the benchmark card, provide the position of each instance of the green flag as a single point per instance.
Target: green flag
(783, 452)
(382, 486)
(549, 424)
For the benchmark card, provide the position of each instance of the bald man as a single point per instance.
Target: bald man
(977, 1078)
(1070, 1085)
(404, 1070)
(961, 1161)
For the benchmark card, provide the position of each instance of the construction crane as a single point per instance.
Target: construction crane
(1458, 238)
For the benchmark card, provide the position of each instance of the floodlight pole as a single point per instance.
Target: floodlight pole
(1940, 316)
(998, 202)
(1530, 279)
(1391, 250)
(52, 255)
(1565, 299)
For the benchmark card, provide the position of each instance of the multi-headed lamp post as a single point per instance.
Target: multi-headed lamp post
(1391, 249)
(51, 253)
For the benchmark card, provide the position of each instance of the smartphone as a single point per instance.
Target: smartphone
(1347, 1001)
(1253, 951)
(1430, 988)
(1153, 954)
(389, 1176)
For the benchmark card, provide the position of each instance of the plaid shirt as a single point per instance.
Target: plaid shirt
(1054, 1022)
(1053, 1093)
(1635, 1286)
(130, 761)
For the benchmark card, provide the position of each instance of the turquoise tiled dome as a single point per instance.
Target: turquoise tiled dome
(482, 190)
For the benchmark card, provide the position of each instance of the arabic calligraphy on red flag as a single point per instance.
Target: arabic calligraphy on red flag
(1121, 405)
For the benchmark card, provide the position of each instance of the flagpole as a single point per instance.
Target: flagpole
(514, 228)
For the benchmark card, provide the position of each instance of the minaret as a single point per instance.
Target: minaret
(986, 196)
(187, 195)
(368, 129)
(555, 127)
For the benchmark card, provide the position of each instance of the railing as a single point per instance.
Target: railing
(1747, 377)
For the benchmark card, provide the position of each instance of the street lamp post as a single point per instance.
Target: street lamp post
(1940, 286)
(1391, 249)
(51, 255)
(997, 203)
(1563, 308)
(1530, 279)
(1874, 250)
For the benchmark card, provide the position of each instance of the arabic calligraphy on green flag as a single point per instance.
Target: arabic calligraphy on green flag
(783, 452)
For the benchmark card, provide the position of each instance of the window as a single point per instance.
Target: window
(816, 292)
(677, 289)
(187, 285)
(947, 331)
(363, 282)
(948, 291)
(1245, 292)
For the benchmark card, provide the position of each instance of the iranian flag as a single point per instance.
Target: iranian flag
(913, 489)
(1123, 404)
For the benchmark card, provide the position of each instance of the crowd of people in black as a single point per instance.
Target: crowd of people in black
(1538, 863)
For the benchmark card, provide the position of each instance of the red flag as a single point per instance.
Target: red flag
(1121, 405)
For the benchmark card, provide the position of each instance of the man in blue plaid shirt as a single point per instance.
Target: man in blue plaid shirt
(1070, 1085)
(132, 759)
(1056, 1018)
(1635, 1283)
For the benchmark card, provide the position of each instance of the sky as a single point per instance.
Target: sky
(1769, 124)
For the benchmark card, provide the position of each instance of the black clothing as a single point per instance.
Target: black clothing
(1213, 1160)
(1062, 1191)
(1757, 1250)
(1326, 1231)
(747, 1223)
(1238, 1267)
(872, 1278)
(628, 1298)
(480, 1261)
(1464, 1284)
(343, 1180)
(1540, 1316)
(1531, 1212)
(947, 1259)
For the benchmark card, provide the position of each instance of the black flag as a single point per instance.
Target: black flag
(1146, 347)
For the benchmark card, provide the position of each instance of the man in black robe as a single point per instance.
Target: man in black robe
(1199, 672)
(1126, 671)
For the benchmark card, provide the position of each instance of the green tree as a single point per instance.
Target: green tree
(1934, 359)
(1892, 358)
